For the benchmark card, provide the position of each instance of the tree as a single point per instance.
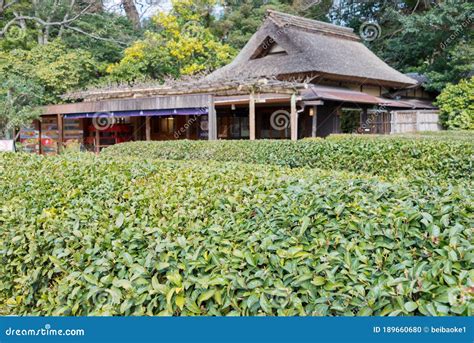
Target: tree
(436, 42)
(242, 18)
(180, 45)
(54, 66)
(19, 98)
(132, 12)
(24, 22)
(456, 104)
(428, 37)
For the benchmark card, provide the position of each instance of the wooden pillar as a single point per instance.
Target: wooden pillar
(147, 128)
(97, 140)
(365, 121)
(314, 126)
(40, 133)
(60, 132)
(293, 119)
(212, 120)
(418, 121)
(188, 127)
(252, 123)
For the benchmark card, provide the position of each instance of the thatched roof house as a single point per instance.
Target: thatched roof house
(287, 45)
(295, 78)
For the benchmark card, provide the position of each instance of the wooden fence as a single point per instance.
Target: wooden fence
(415, 121)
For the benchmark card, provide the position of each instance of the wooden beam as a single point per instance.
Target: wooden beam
(60, 132)
(97, 140)
(40, 133)
(314, 126)
(188, 127)
(252, 124)
(293, 119)
(212, 124)
(147, 128)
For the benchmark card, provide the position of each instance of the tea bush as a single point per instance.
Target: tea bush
(86, 235)
(442, 159)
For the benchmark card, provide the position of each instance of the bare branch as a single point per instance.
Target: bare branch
(5, 5)
(95, 36)
(45, 23)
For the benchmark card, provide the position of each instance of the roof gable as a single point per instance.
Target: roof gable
(311, 47)
(268, 47)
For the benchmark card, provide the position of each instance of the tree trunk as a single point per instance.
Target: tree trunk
(97, 6)
(132, 13)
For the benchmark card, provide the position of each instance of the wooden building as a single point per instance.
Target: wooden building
(295, 78)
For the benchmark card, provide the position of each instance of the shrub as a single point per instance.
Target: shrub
(86, 235)
(442, 159)
(456, 104)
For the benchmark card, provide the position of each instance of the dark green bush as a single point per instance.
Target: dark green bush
(442, 159)
(85, 235)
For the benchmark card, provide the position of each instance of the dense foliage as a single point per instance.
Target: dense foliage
(18, 101)
(64, 45)
(433, 38)
(456, 104)
(87, 235)
(52, 67)
(446, 158)
(183, 45)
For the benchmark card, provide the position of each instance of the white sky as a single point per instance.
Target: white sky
(146, 7)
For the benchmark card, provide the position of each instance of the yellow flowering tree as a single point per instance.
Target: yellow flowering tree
(183, 44)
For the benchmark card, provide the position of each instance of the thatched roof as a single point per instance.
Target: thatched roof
(310, 46)
(187, 87)
(420, 79)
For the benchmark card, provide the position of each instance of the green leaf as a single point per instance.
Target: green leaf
(126, 284)
(411, 306)
(365, 311)
(180, 300)
(162, 265)
(318, 280)
(91, 279)
(120, 219)
(206, 296)
(264, 304)
(304, 225)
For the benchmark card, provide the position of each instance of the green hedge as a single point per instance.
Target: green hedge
(85, 235)
(443, 158)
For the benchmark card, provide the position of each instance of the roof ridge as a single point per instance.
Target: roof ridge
(311, 25)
